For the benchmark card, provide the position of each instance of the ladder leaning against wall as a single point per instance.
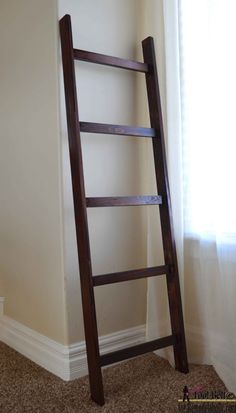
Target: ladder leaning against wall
(88, 280)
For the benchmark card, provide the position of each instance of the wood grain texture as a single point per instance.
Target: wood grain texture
(117, 277)
(123, 201)
(109, 129)
(102, 59)
(173, 286)
(134, 351)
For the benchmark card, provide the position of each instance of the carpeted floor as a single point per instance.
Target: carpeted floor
(144, 384)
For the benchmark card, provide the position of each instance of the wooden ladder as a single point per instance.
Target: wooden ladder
(81, 203)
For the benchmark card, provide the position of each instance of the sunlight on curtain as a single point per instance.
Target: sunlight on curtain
(209, 115)
(208, 94)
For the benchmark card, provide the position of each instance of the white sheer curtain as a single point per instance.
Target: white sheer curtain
(200, 89)
(208, 90)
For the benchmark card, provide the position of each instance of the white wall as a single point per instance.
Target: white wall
(31, 256)
(112, 165)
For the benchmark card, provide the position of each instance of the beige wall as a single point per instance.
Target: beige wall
(112, 165)
(34, 222)
(31, 261)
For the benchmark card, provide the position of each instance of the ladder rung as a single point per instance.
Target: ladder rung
(134, 351)
(117, 277)
(109, 129)
(123, 201)
(103, 59)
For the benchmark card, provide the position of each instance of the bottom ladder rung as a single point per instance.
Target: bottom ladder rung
(134, 351)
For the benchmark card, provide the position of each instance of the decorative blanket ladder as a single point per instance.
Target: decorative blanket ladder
(81, 203)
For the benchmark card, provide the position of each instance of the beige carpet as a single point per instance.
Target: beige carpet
(144, 384)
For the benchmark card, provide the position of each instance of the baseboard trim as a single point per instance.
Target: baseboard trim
(2, 299)
(1, 313)
(66, 362)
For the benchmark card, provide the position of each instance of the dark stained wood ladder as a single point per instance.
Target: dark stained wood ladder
(81, 203)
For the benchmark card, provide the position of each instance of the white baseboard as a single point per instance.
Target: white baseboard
(1, 305)
(66, 362)
(107, 344)
(1, 313)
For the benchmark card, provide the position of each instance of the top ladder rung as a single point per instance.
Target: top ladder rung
(103, 59)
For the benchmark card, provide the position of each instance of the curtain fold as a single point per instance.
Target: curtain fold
(208, 88)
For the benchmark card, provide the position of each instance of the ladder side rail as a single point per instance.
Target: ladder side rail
(89, 312)
(173, 286)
